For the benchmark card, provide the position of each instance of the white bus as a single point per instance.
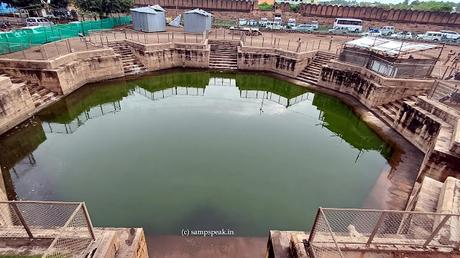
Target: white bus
(352, 25)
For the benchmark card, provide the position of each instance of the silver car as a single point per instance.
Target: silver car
(304, 28)
(38, 21)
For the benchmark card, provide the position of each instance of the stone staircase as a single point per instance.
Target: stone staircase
(224, 55)
(389, 112)
(443, 89)
(40, 95)
(434, 196)
(131, 65)
(311, 72)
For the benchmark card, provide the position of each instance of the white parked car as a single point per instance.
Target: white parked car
(387, 30)
(450, 35)
(38, 21)
(315, 25)
(263, 22)
(431, 35)
(242, 22)
(373, 33)
(273, 25)
(291, 23)
(402, 35)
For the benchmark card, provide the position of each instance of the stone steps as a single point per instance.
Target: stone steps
(435, 196)
(223, 55)
(131, 64)
(443, 90)
(311, 72)
(390, 111)
(40, 95)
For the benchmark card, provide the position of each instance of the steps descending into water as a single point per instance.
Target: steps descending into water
(131, 64)
(40, 95)
(311, 72)
(390, 111)
(224, 55)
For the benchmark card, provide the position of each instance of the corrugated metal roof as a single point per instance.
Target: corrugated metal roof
(199, 11)
(388, 46)
(149, 9)
(158, 8)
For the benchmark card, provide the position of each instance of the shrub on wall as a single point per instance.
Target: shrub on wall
(265, 6)
(294, 7)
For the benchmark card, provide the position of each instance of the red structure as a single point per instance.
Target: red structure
(215, 5)
(377, 14)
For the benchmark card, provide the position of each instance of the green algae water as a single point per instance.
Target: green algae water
(196, 150)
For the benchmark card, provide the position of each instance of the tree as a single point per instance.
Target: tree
(104, 7)
(294, 7)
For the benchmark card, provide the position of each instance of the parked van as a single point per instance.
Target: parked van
(242, 22)
(352, 25)
(277, 20)
(315, 25)
(450, 35)
(291, 23)
(431, 35)
(38, 21)
(273, 25)
(263, 22)
(305, 28)
(387, 30)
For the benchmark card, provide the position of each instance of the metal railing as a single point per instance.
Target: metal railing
(104, 37)
(51, 50)
(359, 228)
(67, 224)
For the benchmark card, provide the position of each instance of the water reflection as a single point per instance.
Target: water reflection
(157, 98)
(97, 100)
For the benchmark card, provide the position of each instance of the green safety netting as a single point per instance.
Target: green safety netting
(24, 38)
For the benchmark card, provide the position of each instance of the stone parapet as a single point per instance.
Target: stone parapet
(446, 113)
(280, 61)
(417, 84)
(55, 62)
(455, 143)
(169, 55)
(16, 104)
(66, 73)
(370, 88)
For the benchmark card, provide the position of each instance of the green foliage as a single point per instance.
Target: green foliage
(265, 6)
(294, 7)
(104, 7)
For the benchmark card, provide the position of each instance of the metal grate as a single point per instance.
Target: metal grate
(334, 228)
(66, 223)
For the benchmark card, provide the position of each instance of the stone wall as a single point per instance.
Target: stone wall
(378, 14)
(268, 59)
(169, 55)
(229, 5)
(16, 104)
(368, 87)
(418, 125)
(68, 72)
